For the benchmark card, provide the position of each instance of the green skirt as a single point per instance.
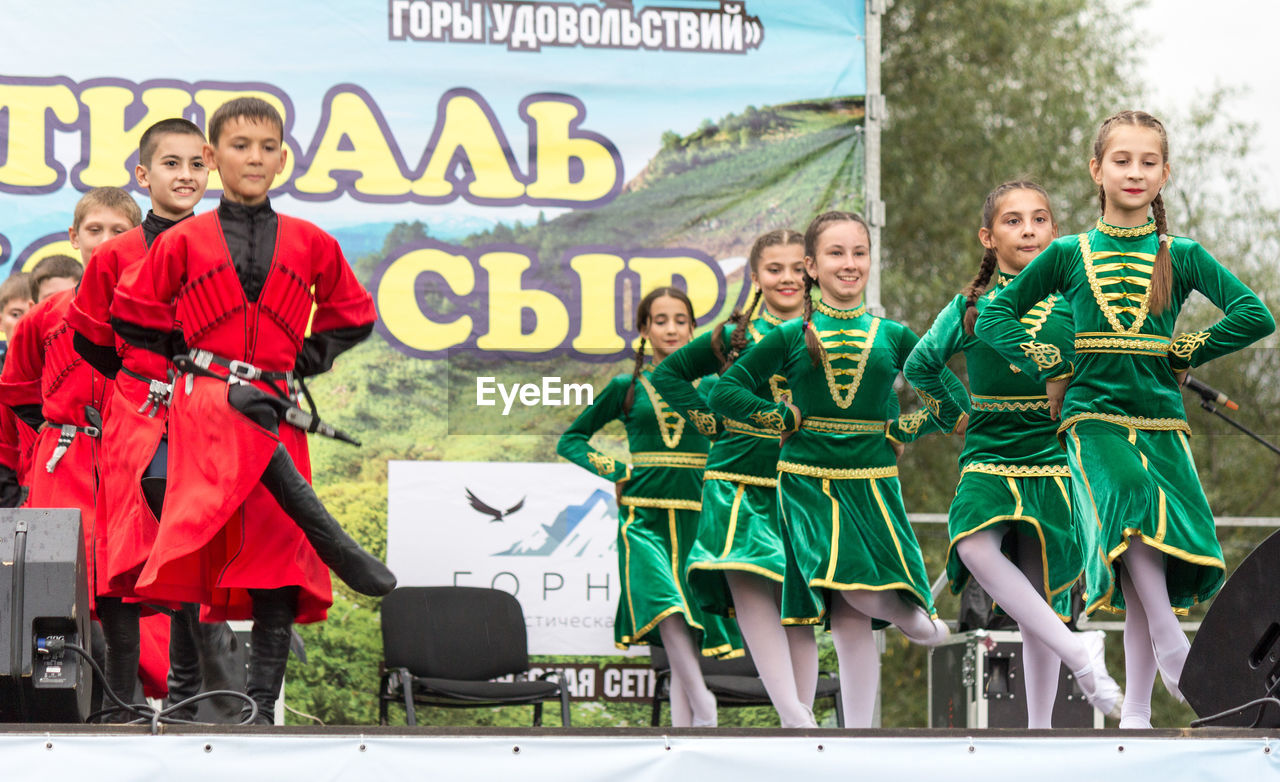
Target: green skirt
(842, 534)
(653, 546)
(1128, 482)
(738, 531)
(1036, 506)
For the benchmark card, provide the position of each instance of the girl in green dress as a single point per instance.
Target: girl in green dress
(851, 557)
(1133, 480)
(1013, 496)
(736, 565)
(658, 500)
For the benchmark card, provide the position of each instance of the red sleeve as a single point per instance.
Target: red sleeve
(9, 447)
(146, 295)
(341, 301)
(90, 313)
(24, 363)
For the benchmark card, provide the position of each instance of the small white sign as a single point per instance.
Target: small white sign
(545, 532)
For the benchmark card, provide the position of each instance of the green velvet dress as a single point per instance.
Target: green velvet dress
(739, 528)
(1012, 468)
(658, 513)
(843, 523)
(1123, 421)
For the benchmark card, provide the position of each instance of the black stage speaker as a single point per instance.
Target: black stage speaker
(1236, 655)
(44, 595)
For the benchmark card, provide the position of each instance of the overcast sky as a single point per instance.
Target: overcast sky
(1197, 45)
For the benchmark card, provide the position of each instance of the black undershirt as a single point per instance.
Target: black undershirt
(250, 232)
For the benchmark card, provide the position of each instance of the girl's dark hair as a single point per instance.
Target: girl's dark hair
(978, 285)
(739, 318)
(642, 320)
(1162, 273)
(811, 234)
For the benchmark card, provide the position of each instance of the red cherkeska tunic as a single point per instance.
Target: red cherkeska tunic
(43, 368)
(221, 532)
(126, 528)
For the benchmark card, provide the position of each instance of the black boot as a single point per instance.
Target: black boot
(120, 633)
(219, 666)
(184, 661)
(202, 658)
(273, 611)
(357, 568)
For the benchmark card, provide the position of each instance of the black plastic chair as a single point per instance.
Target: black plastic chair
(734, 682)
(442, 646)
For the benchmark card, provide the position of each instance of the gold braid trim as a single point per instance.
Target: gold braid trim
(842, 426)
(1020, 470)
(1105, 343)
(778, 387)
(1186, 344)
(980, 404)
(911, 422)
(1038, 315)
(829, 311)
(671, 431)
(603, 463)
(1127, 233)
(929, 401)
(739, 427)
(859, 359)
(1133, 422)
(1095, 285)
(705, 423)
(1046, 356)
(770, 318)
(862, 473)
(737, 477)
(663, 459)
(658, 502)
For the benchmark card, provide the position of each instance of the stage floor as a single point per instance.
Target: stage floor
(228, 754)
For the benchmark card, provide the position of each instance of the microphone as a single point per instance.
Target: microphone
(1208, 393)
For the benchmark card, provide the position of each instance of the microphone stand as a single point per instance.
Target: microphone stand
(1212, 408)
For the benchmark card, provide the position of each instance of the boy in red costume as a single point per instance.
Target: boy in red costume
(242, 532)
(15, 300)
(132, 463)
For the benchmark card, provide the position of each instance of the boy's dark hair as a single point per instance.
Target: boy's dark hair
(51, 267)
(109, 197)
(18, 285)
(251, 109)
(151, 137)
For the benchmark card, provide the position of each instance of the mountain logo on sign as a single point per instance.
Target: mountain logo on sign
(586, 530)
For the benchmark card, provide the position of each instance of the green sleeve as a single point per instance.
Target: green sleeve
(674, 377)
(734, 396)
(575, 443)
(908, 427)
(1245, 319)
(999, 325)
(926, 367)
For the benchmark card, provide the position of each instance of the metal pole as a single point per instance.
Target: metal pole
(875, 114)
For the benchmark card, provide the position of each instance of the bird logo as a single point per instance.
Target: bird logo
(498, 515)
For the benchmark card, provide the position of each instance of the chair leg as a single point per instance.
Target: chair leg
(537, 714)
(839, 699)
(661, 679)
(565, 719)
(406, 686)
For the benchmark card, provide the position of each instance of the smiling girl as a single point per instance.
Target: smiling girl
(1134, 483)
(737, 563)
(851, 557)
(659, 497)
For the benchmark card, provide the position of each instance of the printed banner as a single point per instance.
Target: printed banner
(507, 179)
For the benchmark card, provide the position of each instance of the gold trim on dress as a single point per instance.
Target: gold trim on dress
(668, 459)
(737, 477)
(733, 520)
(1189, 343)
(1146, 229)
(1007, 404)
(1019, 470)
(1038, 315)
(705, 423)
(603, 463)
(658, 502)
(770, 318)
(1045, 355)
(857, 473)
(1139, 344)
(739, 427)
(842, 425)
(771, 420)
(1133, 422)
(832, 312)
(671, 431)
(929, 401)
(859, 360)
(1102, 299)
(910, 423)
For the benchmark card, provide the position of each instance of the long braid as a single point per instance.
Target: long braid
(635, 376)
(738, 341)
(976, 288)
(1162, 274)
(811, 341)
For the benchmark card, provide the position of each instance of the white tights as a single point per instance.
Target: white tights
(786, 657)
(851, 614)
(1150, 627)
(1045, 639)
(692, 704)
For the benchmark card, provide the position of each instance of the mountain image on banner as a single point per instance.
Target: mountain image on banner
(586, 530)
